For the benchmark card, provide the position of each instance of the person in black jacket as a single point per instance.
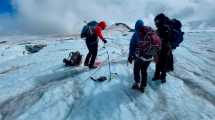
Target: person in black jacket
(92, 44)
(164, 31)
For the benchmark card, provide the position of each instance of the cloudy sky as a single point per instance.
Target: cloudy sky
(66, 16)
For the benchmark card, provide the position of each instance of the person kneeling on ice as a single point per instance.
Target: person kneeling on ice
(144, 45)
(91, 32)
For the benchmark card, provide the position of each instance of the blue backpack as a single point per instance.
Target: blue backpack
(177, 34)
(88, 30)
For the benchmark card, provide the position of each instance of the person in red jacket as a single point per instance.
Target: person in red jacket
(92, 44)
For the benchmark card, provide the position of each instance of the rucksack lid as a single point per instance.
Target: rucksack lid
(176, 23)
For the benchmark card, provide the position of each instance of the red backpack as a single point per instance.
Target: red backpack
(149, 43)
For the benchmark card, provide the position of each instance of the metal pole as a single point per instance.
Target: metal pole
(109, 66)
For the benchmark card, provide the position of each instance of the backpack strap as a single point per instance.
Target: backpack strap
(70, 56)
(146, 59)
(148, 35)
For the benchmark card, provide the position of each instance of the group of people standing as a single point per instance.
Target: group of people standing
(161, 53)
(163, 58)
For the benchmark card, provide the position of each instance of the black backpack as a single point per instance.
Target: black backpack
(74, 59)
(88, 30)
(177, 34)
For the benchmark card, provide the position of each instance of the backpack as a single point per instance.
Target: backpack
(74, 59)
(177, 34)
(149, 43)
(88, 30)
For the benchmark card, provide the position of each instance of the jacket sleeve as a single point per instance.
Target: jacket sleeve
(132, 45)
(99, 33)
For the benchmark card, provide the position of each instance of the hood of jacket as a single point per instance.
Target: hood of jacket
(139, 24)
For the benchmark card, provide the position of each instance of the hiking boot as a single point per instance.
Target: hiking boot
(93, 67)
(135, 86)
(142, 88)
(170, 69)
(155, 78)
(85, 64)
(163, 78)
(163, 81)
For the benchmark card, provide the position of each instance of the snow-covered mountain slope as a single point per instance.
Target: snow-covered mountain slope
(39, 87)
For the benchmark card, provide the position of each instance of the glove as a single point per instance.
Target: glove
(105, 41)
(130, 59)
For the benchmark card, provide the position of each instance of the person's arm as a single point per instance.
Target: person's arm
(132, 45)
(99, 33)
(132, 49)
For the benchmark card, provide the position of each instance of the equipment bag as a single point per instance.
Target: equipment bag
(74, 59)
(177, 33)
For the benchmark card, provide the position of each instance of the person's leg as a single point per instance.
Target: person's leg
(144, 68)
(89, 55)
(94, 51)
(137, 71)
(157, 68)
(170, 65)
(171, 61)
(164, 68)
(157, 72)
(163, 73)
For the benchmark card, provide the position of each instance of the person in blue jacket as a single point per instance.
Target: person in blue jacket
(140, 66)
(136, 36)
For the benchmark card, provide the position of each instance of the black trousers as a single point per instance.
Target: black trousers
(91, 56)
(164, 64)
(140, 71)
(170, 64)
